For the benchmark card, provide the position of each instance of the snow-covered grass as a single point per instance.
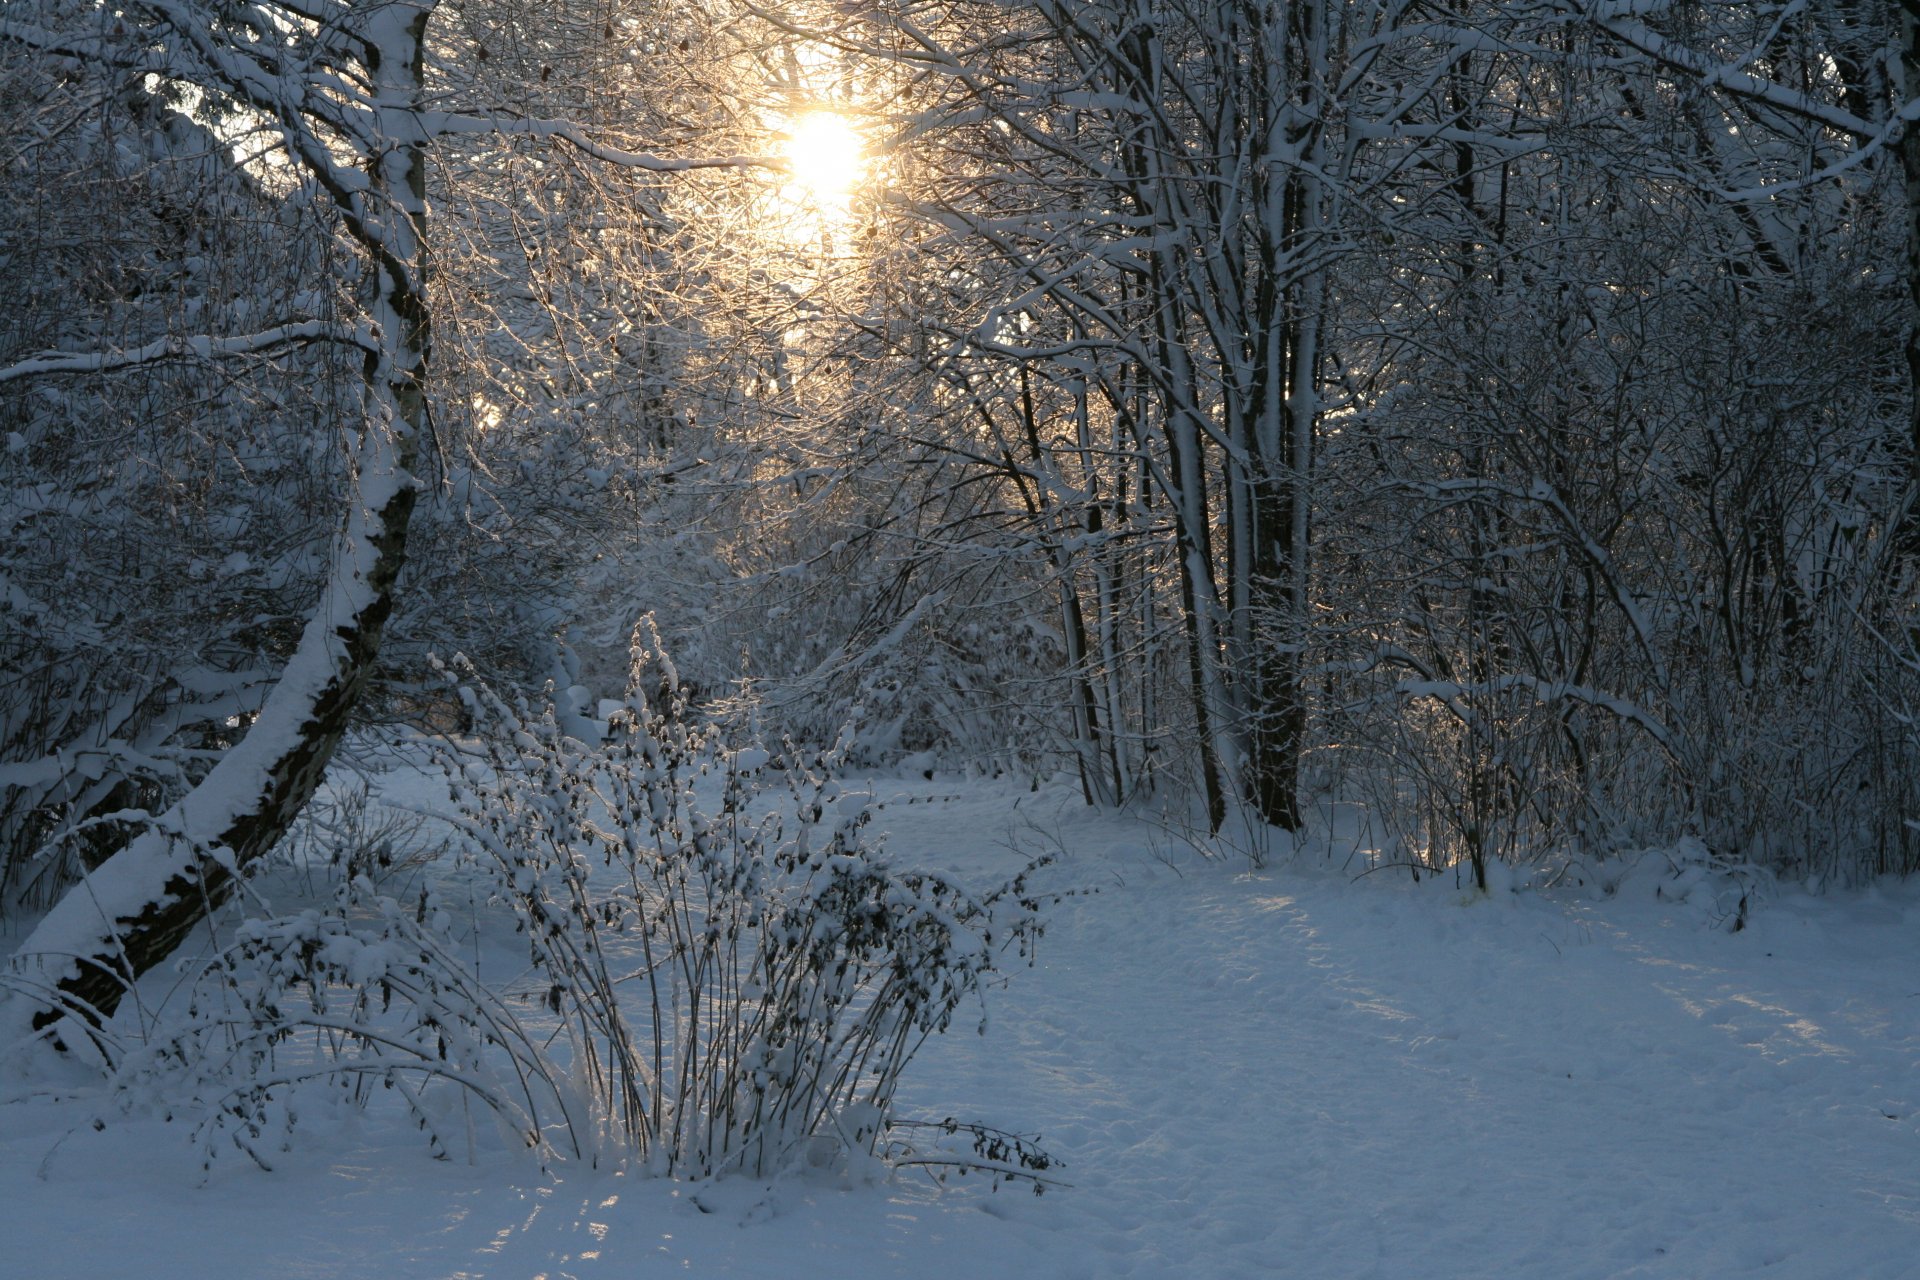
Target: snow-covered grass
(1284, 1072)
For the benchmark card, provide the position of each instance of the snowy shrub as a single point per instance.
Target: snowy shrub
(1721, 891)
(361, 997)
(726, 974)
(749, 987)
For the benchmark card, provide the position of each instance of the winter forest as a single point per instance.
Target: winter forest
(581, 580)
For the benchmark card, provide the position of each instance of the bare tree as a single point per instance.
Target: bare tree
(342, 90)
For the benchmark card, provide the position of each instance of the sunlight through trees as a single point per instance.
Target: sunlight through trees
(1497, 416)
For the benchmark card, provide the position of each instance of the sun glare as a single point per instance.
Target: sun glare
(825, 154)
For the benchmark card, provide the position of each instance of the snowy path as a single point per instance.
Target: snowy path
(1280, 1074)
(1285, 1074)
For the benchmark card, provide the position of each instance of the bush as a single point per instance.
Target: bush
(737, 984)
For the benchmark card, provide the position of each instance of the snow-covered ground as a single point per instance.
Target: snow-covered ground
(1245, 1073)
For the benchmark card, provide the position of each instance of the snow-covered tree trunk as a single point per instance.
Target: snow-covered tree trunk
(143, 900)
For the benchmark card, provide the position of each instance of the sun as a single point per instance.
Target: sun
(826, 157)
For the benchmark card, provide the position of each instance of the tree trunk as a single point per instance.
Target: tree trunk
(1907, 540)
(132, 911)
(1286, 410)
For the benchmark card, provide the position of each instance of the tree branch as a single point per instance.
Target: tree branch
(198, 347)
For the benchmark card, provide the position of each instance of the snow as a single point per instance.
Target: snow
(1278, 1072)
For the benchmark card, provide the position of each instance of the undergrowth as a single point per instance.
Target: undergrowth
(728, 973)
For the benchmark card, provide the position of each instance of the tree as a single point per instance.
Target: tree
(341, 90)
(1447, 234)
(1620, 460)
(1152, 185)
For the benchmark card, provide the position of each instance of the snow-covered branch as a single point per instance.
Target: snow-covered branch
(1620, 19)
(198, 347)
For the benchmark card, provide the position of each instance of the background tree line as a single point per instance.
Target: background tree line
(1497, 415)
(1492, 414)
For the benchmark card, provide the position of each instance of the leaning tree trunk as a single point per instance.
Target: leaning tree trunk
(132, 911)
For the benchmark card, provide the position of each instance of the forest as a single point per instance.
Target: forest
(1489, 429)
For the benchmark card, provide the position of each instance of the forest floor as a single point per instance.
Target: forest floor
(1283, 1072)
